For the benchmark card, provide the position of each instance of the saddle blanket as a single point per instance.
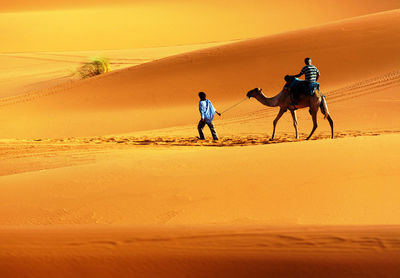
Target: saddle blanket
(298, 87)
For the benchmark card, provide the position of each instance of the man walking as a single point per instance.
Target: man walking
(207, 112)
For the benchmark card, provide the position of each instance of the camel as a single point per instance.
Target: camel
(314, 102)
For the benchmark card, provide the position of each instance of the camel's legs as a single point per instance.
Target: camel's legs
(314, 119)
(281, 112)
(294, 116)
(331, 124)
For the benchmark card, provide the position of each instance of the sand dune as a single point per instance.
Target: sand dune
(27, 72)
(345, 252)
(120, 101)
(100, 24)
(104, 177)
(110, 209)
(120, 183)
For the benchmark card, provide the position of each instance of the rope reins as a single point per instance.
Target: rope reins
(236, 104)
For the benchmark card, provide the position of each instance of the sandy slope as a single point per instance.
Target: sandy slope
(344, 181)
(248, 251)
(28, 72)
(103, 24)
(200, 211)
(345, 52)
(166, 205)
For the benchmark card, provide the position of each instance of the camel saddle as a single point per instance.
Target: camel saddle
(297, 87)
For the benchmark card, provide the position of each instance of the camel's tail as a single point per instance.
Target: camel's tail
(325, 111)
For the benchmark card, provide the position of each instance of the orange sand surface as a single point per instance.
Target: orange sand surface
(261, 251)
(27, 72)
(104, 177)
(102, 208)
(66, 25)
(162, 93)
(351, 180)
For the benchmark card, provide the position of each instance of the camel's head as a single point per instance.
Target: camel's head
(254, 92)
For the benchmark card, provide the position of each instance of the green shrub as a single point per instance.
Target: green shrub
(96, 66)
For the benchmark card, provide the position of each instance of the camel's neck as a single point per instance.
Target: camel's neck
(273, 101)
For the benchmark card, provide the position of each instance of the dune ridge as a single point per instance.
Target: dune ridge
(351, 180)
(142, 23)
(104, 177)
(284, 251)
(30, 72)
(225, 72)
(20, 156)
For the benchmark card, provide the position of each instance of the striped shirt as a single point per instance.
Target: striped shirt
(310, 72)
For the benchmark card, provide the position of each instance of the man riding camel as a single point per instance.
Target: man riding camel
(309, 70)
(309, 84)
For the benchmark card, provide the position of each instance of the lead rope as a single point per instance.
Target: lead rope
(236, 104)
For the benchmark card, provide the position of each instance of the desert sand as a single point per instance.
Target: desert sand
(26, 72)
(139, 98)
(78, 25)
(104, 177)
